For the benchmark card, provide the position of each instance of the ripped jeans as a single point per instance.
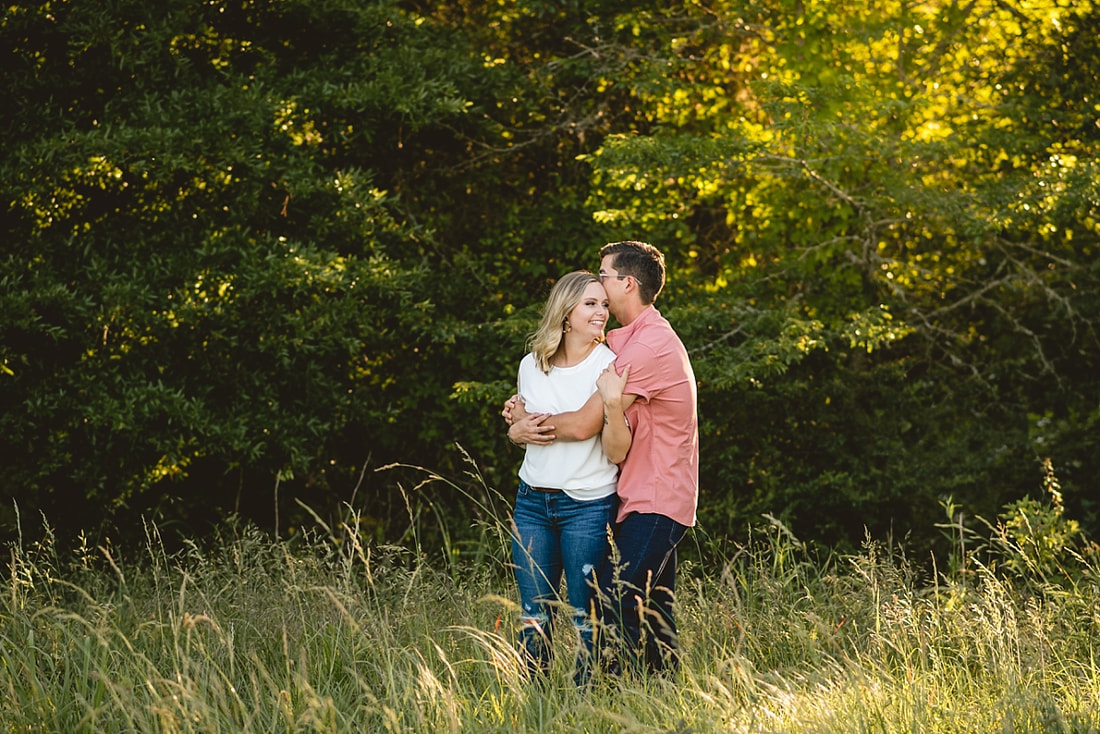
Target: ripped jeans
(555, 535)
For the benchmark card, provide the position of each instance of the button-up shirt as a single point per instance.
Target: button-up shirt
(661, 472)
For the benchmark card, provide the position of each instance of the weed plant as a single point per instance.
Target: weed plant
(324, 632)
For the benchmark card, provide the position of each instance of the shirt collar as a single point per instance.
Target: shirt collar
(616, 338)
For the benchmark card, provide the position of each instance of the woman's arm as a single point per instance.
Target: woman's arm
(616, 436)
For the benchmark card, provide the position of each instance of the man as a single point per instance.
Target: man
(650, 429)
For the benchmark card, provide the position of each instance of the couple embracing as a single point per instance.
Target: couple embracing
(611, 444)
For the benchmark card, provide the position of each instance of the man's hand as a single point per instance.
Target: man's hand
(509, 406)
(531, 429)
(514, 409)
(519, 409)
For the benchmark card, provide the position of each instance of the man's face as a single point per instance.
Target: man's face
(613, 283)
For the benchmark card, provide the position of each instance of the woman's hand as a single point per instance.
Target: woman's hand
(531, 429)
(616, 437)
(611, 385)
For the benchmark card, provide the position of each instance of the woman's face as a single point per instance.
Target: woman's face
(589, 317)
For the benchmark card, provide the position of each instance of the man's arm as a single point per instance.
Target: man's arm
(616, 437)
(577, 425)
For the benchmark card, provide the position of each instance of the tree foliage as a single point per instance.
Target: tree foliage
(256, 248)
(892, 216)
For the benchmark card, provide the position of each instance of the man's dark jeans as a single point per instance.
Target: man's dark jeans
(637, 586)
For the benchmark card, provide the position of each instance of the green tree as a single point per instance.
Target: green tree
(205, 278)
(883, 221)
(264, 243)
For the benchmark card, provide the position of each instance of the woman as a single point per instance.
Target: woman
(566, 498)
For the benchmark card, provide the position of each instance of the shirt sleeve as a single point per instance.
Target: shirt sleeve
(519, 378)
(643, 370)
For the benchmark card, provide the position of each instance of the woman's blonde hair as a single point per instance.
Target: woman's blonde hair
(564, 297)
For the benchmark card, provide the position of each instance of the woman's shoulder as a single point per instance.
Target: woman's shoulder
(527, 365)
(600, 357)
(604, 352)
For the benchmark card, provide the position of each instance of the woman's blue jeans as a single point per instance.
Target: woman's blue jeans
(553, 536)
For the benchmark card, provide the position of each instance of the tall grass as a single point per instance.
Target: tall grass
(325, 633)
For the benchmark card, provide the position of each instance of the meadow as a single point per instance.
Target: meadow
(323, 631)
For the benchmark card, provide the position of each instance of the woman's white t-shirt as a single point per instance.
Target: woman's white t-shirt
(579, 467)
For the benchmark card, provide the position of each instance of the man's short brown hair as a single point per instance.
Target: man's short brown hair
(641, 260)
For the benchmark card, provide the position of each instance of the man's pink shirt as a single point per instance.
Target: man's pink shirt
(661, 472)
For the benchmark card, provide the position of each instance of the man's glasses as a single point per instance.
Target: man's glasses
(605, 276)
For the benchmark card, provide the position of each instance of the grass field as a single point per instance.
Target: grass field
(323, 633)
